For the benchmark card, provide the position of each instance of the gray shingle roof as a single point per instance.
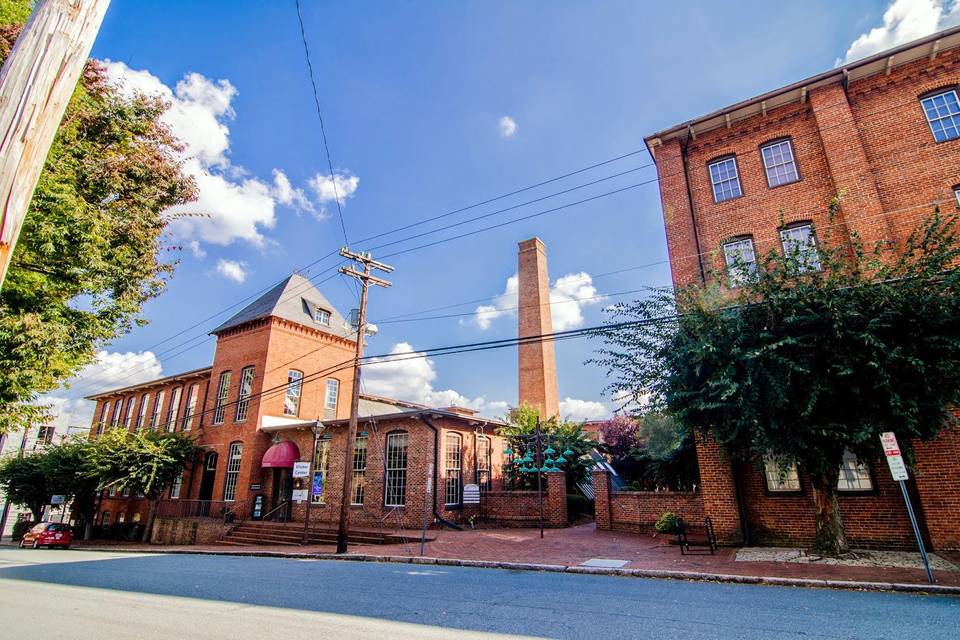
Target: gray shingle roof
(295, 299)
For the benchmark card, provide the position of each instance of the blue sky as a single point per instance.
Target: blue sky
(414, 97)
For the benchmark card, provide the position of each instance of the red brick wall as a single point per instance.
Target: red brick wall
(522, 508)
(937, 477)
(638, 511)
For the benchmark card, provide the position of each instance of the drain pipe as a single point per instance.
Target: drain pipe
(436, 473)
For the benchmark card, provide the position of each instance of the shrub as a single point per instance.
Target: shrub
(578, 506)
(668, 523)
(20, 527)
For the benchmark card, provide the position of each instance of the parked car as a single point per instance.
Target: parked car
(48, 534)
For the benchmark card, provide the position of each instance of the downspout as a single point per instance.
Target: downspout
(693, 211)
(436, 473)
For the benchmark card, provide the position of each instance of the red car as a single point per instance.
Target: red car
(48, 534)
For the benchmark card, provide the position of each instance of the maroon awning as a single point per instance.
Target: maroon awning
(281, 456)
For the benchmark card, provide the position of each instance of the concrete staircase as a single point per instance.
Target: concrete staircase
(291, 533)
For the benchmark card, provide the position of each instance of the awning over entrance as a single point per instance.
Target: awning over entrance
(281, 456)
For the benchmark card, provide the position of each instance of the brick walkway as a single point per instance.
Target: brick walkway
(575, 545)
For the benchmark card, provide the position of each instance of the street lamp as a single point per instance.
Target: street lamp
(539, 457)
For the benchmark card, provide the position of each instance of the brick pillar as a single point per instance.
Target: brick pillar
(847, 159)
(555, 503)
(678, 217)
(538, 362)
(937, 476)
(719, 491)
(601, 498)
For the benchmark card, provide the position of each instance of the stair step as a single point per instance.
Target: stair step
(291, 533)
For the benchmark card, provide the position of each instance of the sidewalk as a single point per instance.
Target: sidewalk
(567, 549)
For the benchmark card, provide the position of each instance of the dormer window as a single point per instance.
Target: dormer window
(323, 317)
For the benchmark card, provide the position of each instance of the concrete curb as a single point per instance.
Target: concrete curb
(696, 576)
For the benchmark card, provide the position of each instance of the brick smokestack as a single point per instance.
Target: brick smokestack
(538, 362)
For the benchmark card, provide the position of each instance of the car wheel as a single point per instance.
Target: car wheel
(36, 544)
(22, 543)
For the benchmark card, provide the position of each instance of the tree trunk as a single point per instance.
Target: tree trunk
(830, 539)
(151, 516)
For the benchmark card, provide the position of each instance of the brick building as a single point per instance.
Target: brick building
(758, 176)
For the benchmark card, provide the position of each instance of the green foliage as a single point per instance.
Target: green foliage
(804, 363)
(15, 11)
(20, 527)
(667, 523)
(144, 462)
(89, 253)
(25, 481)
(651, 452)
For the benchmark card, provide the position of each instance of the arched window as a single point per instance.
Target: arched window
(359, 468)
(452, 457)
(291, 402)
(741, 260)
(128, 416)
(243, 394)
(395, 481)
(173, 409)
(233, 471)
(483, 463)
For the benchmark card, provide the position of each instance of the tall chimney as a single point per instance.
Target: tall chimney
(538, 362)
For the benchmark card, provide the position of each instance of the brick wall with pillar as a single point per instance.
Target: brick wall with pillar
(601, 498)
(719, 491)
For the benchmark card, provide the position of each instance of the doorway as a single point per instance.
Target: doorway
(209, 476)
(282, 493)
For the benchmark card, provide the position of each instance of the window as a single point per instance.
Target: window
(105, 519)
(779, 479)
(176, 486)
(243, 395)
(483, 463)
(136, 517)
(223, 390)
(121, 518)
(452, 479)
(126, 492)
(800, 244)
(359, 469)
(173, 409)
(102, 422)
(333, 390)
(943, 115)
(741, 260)
(155, 414)
(117, 406)
(45, 435)
(323, 317)
(192, 393)
(233, 471)
(778, 163)
(321, 465)
(854, 475)
(956, 194)
(128, 415)
(291, 402)
(725, 180)
(142, 414)
(395, 494)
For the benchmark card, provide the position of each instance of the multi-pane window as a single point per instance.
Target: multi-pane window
(121, 517)
(800, 244)
(233, 471)
(321, 465)
(778, 163)
(155, 414)
(724, 179)
(741, 260)
(323, 317)
(333, 390)
(102, 422)
(956, 194)
(395, 490)
(483, 463)
(176, 486)
(943, 115)
(45, 435)
(128, 415)
(243, 395)
(142, 414)
(191, 408)
(223, 390)
(117, 409)
(781, 479)
(291, 402)
(359, 469)
(105, 518)
(854, 475)
(452, 458)
(173, 409)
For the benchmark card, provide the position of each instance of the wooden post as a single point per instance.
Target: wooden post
(36, 83)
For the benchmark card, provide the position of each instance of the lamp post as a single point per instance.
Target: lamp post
(539, 457)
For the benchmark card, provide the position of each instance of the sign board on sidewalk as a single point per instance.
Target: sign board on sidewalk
(471, 494)
(891, 449)
(301, 469)
(299, 495)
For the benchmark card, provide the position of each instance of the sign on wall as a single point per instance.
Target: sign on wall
(301, 469)
(299, 495)
(471, 494)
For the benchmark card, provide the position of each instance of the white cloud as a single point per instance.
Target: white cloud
(568, 295)
(231, 205)
(327, 188)
(580, 410)
(508, 127)
(412, 380)
(903, 21)
(196, 249)
(232, 270)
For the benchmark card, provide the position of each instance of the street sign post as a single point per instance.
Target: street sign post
(898, 469)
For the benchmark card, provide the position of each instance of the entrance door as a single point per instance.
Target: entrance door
(282, 492)
(209, 475)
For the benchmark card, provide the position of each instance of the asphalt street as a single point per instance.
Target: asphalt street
(82, 594)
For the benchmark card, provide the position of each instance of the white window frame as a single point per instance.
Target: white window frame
(244, 392)
(396, 460)
(117, 410)
(232, 477)
(173, 409)
(176, 487)
(735, 274)
(808, 259)
(331, 394)
(855, 476)
(784, 169)
(157, 408)
(724, 187)
(142, 413)
(779, 480)
(193, 395)
(294, 392)
(484, 463)
(945, 117)
(102, 422)
(358, 486)
(223, 392)
(322, 316)
(128, 414)
(452, 469)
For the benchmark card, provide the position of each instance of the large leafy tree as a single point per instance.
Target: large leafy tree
(805, 361)
(24, 480)
(91, 249)
(145, 462)
(68, 474)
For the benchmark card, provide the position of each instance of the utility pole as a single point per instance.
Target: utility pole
(366, 278)
(36, 83)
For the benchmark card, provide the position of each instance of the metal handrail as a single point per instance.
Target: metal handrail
(275, 509)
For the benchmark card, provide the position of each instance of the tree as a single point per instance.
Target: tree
(24, 482)
(68, 474)
(651, 452)
(815, 354)
(90, 253)
(145, 462)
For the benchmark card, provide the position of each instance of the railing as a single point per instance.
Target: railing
(284, 515)
(219, 509)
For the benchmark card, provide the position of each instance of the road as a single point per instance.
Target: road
(83, 594)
